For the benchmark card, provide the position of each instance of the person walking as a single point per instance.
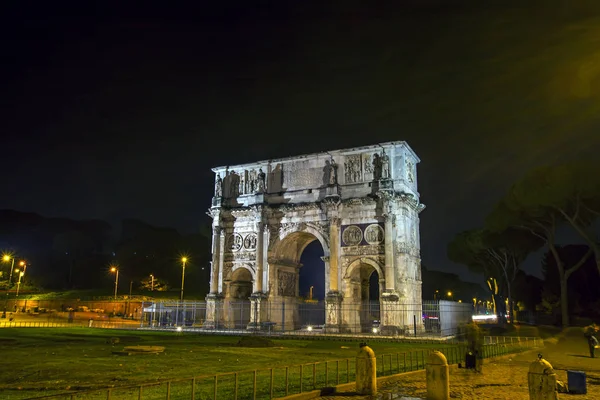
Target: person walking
(590, 333)
(592, 342)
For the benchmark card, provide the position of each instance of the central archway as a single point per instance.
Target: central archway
(293, 303)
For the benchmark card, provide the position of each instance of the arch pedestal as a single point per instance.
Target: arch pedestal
(360, 204)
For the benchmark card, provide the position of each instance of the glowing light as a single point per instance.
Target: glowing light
(309, 328)
(179, 329)
(484, 317)
(22, 263)
(184, 259)
(113, 269)
(375, 330)
(6, 258)
(449, 294)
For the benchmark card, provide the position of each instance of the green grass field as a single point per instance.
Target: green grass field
(37, 362)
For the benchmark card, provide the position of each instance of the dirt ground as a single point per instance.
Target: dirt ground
(503, 379)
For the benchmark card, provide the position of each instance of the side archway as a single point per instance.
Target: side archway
(364, 282)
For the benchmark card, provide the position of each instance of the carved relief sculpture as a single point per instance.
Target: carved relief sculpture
(218, 186)
(409, 172)
(286, 283)
(252, 182)
(236, 242)
(333, 172)
(374, 234)
(368, 166)
(353, 169)
(261, 181)
(385, 166)
(250, 241)
(352, 235)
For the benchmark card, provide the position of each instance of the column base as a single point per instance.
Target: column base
(333, 312)
(390, 310)
(214, 311)
(258, 311)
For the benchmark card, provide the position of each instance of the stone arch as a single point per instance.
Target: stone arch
(368, 261)
(364, 314)
(240, 283)
(304, 234)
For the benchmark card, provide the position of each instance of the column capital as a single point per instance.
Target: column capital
(325, 259)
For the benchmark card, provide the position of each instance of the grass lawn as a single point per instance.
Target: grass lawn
(38, 362)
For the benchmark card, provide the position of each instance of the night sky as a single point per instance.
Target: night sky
(122, 113)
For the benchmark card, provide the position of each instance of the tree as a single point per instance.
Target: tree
(508, 250)
(468, 248)
(574, 191)
(527, 208)
(583, 285)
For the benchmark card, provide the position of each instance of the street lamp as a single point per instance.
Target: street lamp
(183, 261)
(21, 275)
(311, 292)
(450, 295)
(7, 258)
(116, 270)
(151, 283)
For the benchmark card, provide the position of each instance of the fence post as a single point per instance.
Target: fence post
(286, 381)
(347, 370)
(235, 386)
(272, 380)
(215, 388)
(193, 389)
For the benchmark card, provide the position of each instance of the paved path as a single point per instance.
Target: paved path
(503, 379)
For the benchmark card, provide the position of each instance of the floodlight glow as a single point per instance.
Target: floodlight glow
(309, 328)
(375, 330)
(179, 329)
(484, 317)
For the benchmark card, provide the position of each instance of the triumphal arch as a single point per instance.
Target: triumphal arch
(361, 204)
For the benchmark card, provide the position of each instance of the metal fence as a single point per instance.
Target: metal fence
(431, 318)
(269, 383)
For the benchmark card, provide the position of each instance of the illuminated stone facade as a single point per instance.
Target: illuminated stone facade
(361, 204)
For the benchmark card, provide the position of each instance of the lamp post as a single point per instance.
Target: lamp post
(310, 292)
(116, 270)
(183, 261)
(151, 283)
(7, 258)
(450, 295)
(21, 275)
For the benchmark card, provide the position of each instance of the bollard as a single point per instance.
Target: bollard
(541, 380)
(366, 373)
(437, 377)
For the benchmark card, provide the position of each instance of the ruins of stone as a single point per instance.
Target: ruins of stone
(365, 215)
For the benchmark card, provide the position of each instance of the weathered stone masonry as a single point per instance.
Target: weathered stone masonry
(361, 204)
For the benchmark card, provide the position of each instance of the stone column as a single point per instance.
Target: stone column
(258, 310)
(216, 257)
(259, 257)
(214, 311)
(390, 276)
(220, 264)
(334, 246)
(333, 312)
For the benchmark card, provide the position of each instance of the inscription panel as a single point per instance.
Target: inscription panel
(300, 174)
